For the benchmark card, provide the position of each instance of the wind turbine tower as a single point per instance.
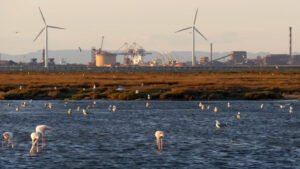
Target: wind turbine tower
(46, 37)
(193, 27)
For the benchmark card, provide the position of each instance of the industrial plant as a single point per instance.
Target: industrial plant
(133, 55)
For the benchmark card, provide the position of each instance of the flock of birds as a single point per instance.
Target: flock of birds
(40, 129)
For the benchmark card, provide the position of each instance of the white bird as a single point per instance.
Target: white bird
(228, 105)
(136, 91)
(30, 101)
(78, 108)
(41, 129)
(35, 136)
(238, 116)
(50, 106)
(23, 104)
(200, 104)
(147, 105)
(262, 106)
(84, 112)
(291, 111)
(219, 125)
(216, 110)
(159, 139)
(148, 97)
(94, 87)
(114, 108)
(202, 107)
(208, 107)
(17, 108)
(69, 112)
(282, 106)
(109, 108)
(7, 137)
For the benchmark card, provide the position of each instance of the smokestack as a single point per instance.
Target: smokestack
(211, 52)
(291, 43)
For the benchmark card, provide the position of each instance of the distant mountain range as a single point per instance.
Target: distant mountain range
(83, 57)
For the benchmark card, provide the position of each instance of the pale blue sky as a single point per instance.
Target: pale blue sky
(252, 25)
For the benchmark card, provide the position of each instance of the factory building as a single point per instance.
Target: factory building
(105, 59)
(277, 59)
(238, 57)
(203, 60)
(295, 60)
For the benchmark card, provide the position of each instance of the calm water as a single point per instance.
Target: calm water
(268, 138)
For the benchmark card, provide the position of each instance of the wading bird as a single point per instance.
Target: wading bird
(219, 125)
(69, 112)
(159, 139)
(262, 106)
(35, 141)
(147, 105)
(228, 105)
(216, 110)
(238, 116)
(41, 129)
(114, 108)
(17, 108)
(7, 137)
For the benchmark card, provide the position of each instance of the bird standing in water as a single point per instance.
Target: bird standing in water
(159, 140)
(238, 116)
(41, 129)
(7, 137)
(35, 141)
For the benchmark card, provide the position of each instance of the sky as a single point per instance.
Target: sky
(251, 25)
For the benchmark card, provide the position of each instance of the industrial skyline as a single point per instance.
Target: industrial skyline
(232, 25)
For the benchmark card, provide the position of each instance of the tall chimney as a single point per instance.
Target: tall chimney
(291, 43)
(211, 52)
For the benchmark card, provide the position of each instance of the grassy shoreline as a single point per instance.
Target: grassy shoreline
(208, 85)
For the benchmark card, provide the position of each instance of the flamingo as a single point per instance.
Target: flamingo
(149, 97)
(215, 109)
(238, 116)
(8, 136)
(114, 108)
(159, 139)
(202, 107)
(109, 108)
(50, 106)
(84, 112)
(35, 136)
(23, 104)
(219, 125)
(41, 129)
(69, 112)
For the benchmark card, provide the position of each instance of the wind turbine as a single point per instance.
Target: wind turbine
(46, 38)
(193, 27)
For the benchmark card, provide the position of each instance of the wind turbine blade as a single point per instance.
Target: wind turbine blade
(196, 16)
(55, 27)
(184, 29)
(38, 34)
(42, 16)
(200, 33)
